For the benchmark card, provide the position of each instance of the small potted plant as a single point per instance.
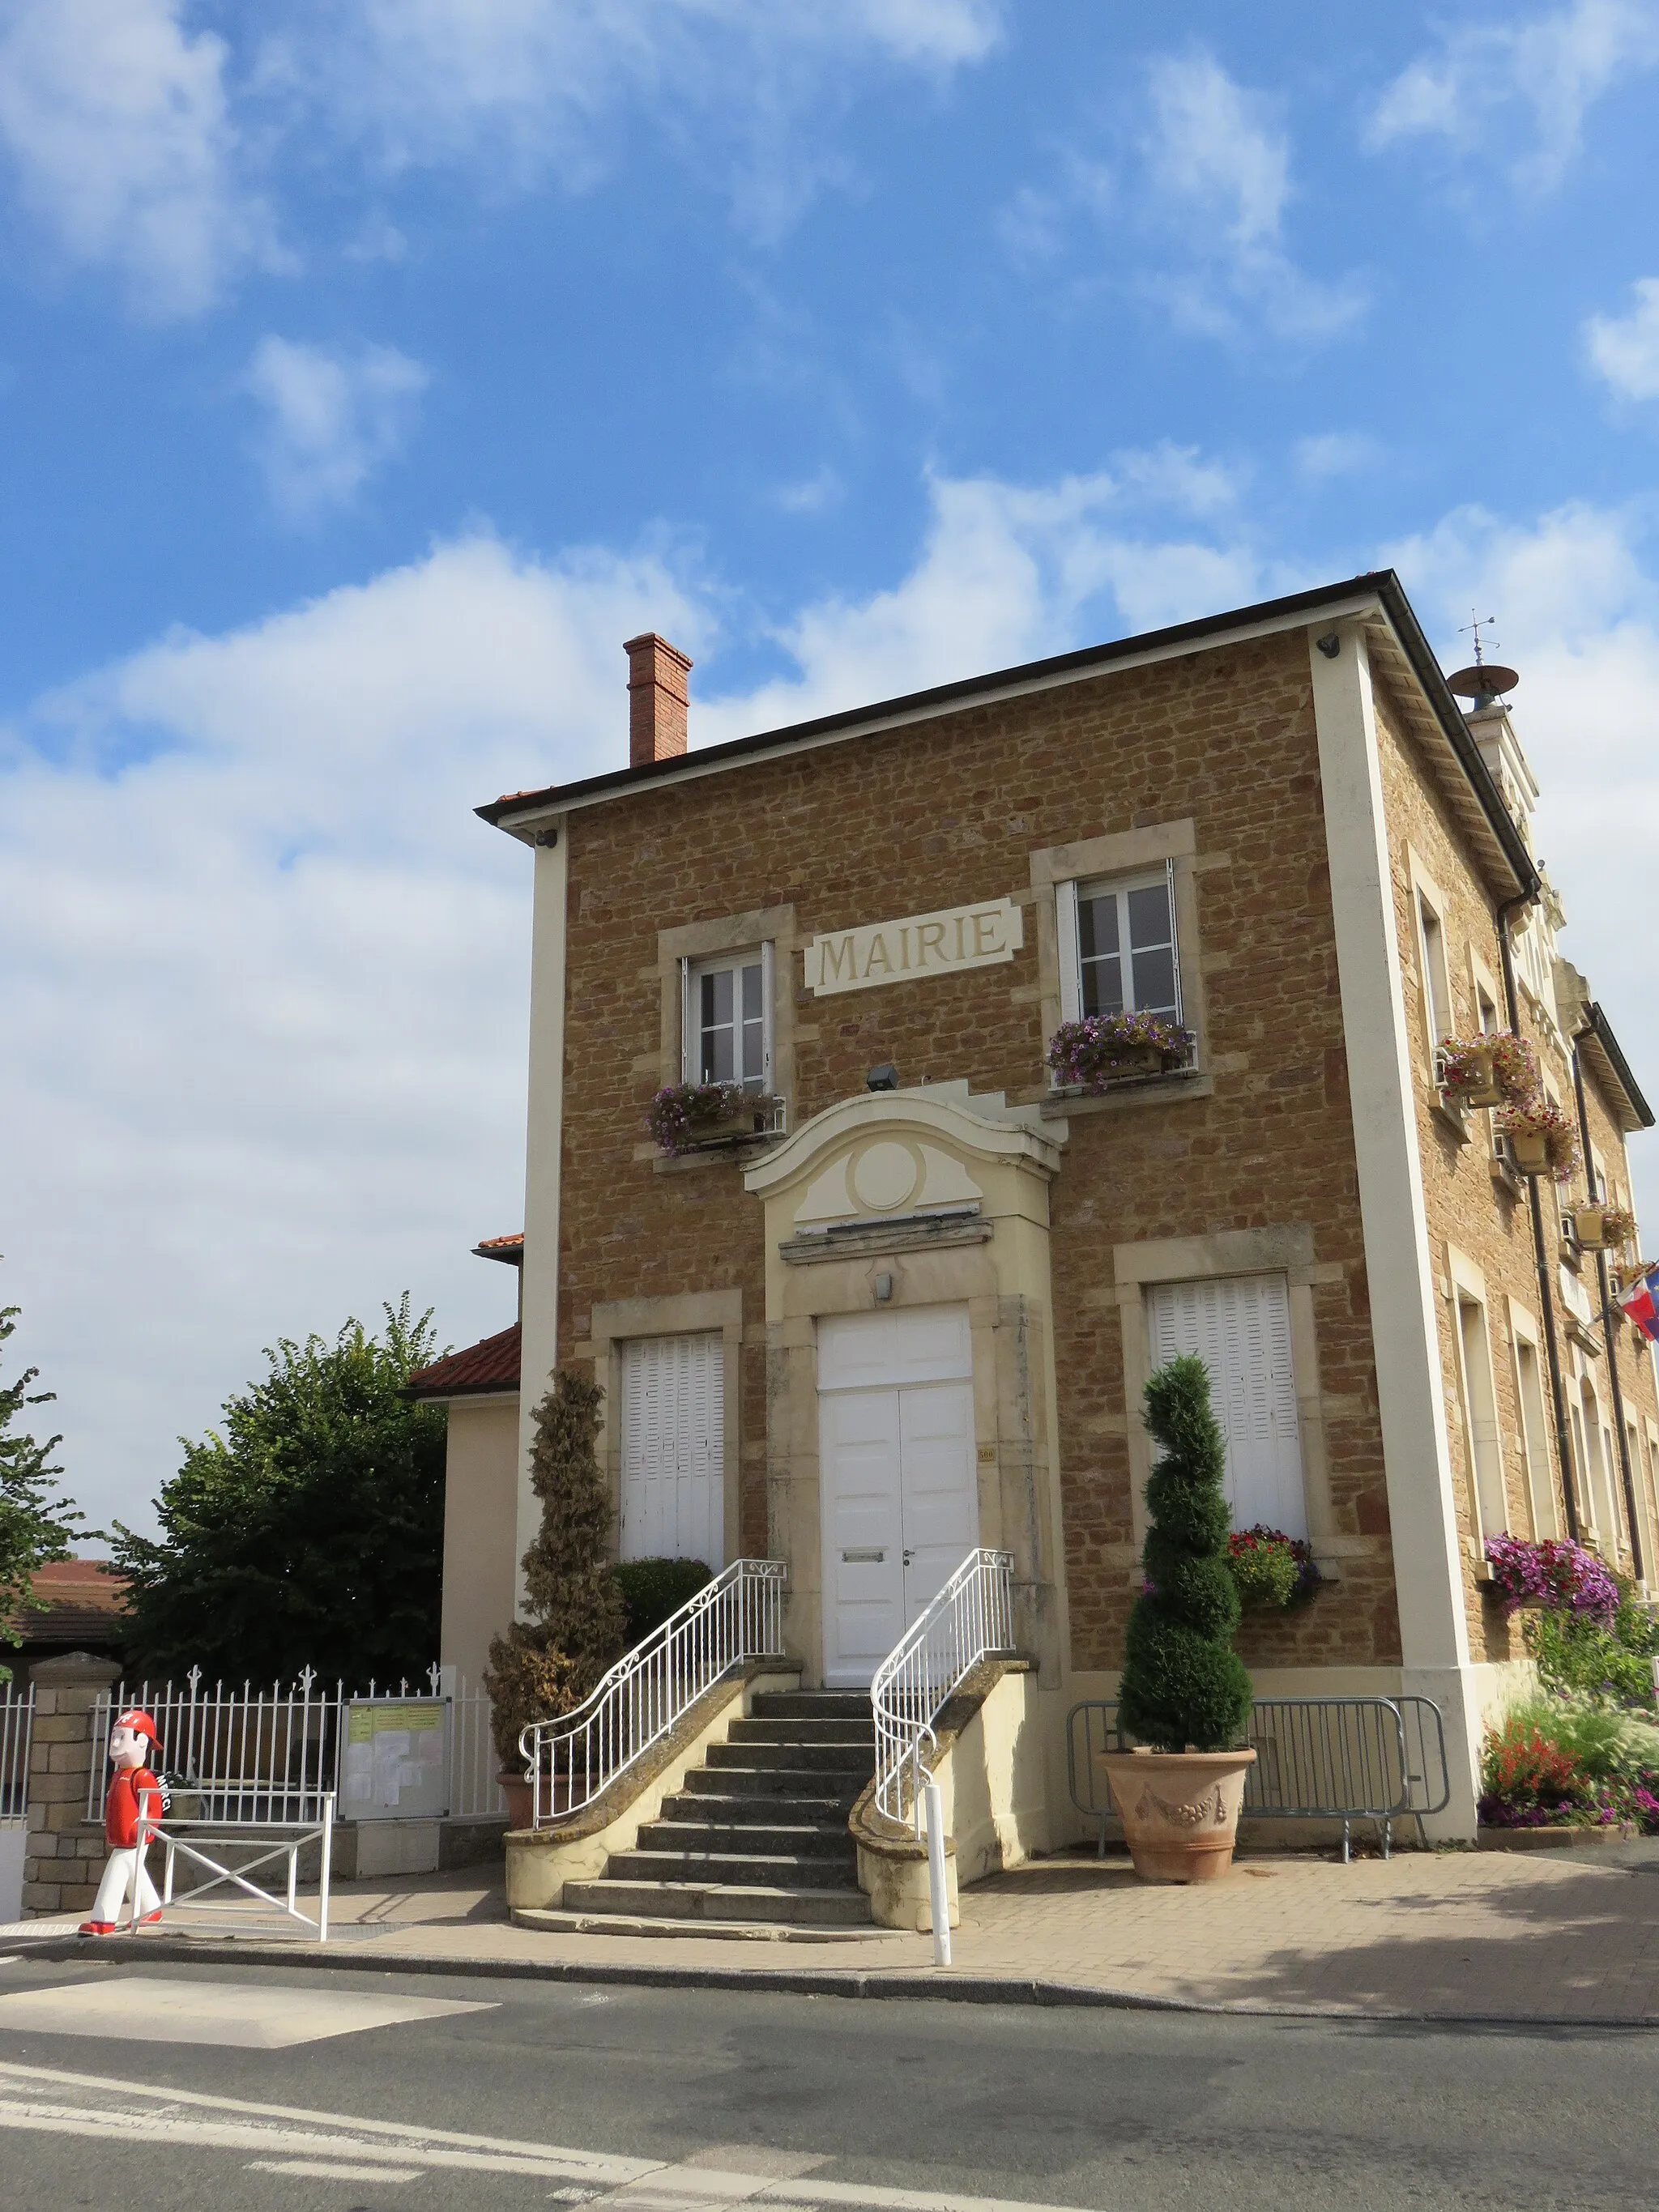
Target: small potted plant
(1489, 1069)
(682, 1117)
(1272, 1571)
(1541, 1139)
(1103, 1049)
(1184, 1693)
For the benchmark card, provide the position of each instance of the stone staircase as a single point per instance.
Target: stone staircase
(757, 1840)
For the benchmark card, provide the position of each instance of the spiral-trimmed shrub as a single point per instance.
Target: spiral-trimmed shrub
(1183, 1685)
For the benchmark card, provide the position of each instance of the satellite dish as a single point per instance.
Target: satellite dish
(1485, 680)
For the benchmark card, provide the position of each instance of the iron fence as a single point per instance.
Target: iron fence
(970, 1620)
(1316, 1758)
(17, 1728)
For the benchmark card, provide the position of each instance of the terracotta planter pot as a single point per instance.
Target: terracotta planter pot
(1588, 1228)
(520, 1804)
(1530, 1151)
(1179, 1809)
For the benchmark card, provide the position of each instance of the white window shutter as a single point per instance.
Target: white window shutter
(1240, 1326)
(1071, 973)
(1175, 940)
(688, 1038)
(766, 986)
(673, 1458)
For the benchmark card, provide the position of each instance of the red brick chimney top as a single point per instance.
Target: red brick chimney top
(656, 699)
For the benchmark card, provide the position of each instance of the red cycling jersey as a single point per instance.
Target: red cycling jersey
(122, 1804)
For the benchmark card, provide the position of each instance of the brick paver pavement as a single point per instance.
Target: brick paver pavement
(1568, 1935)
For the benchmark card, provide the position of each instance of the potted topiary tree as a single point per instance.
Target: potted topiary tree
(1184, 1691)
(545, 1665)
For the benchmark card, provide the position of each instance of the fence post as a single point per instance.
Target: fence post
(64, 1854)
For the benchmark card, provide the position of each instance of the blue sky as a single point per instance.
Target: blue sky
(368, 372)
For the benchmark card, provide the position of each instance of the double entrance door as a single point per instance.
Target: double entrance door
(897, 1471)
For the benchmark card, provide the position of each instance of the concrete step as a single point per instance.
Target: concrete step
(714, 1901)
(732, 1869)
(723, 1805)
(556, 1922)
(795, 1756)
(800, 1785)
(759, 1729)
(773, 1839)
(812, 1705)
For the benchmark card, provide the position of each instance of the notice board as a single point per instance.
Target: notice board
(396, 1765)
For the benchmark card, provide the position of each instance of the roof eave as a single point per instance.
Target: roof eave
(1614, 1070)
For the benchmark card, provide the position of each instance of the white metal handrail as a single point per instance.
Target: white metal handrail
(970, 1620)
(282, 1840)
(16, 1723)
(737, 1616)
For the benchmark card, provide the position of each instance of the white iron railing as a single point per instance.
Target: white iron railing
(17, 1722)
(970, 1620)
(265, 1757)
(736, 1618)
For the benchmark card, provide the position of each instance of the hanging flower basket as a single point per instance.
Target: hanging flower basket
(1559, 1577)
(1618, 1226)
(1542, 1140)
(683, 1117)
(1488, 1070)
(1589, 1226)
(1103, 1049)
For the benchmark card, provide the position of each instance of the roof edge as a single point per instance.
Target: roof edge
(938, 698)
(1602, 1030)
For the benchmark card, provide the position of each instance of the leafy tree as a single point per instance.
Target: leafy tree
(310, 1533)
(1183, 1685)
(545, 1666)
(35, 1524)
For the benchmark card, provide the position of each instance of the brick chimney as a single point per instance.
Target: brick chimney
(656, 699)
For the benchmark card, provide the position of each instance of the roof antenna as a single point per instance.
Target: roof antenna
(1486, 680)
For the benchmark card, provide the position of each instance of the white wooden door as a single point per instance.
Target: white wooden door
(673, 1448)
(1240, 1326)
(898, 1471)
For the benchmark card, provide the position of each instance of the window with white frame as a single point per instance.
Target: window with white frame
(726, 1019)
(1240, 1326)
(1118, 947)
(673, 1448)
(1436, 974)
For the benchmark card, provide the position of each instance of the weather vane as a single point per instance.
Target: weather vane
(1486, 681)
(1472, 628)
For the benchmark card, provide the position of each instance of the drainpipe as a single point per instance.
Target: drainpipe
(1545, 1296)
(1607, 1336)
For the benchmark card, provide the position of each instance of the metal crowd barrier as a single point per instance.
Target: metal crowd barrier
(1316, 1758)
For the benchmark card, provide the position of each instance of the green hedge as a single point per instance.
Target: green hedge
(653, 1588)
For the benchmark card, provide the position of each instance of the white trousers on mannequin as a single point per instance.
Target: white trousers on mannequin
(117, 1882)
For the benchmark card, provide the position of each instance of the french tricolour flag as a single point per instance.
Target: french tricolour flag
(1641, 1303)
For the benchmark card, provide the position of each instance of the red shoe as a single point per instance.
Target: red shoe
(150, 1918)
(96, 1928)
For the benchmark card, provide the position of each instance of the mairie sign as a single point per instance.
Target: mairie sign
(920, 945)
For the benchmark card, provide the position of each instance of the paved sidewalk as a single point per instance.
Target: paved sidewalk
(1563, 1936)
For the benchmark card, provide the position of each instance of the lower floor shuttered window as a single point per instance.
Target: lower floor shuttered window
(1240, 1326)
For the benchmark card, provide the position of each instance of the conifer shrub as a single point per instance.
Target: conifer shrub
(546, 1665)
(1183, 1685)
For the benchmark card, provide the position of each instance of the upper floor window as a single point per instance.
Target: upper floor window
(725, 1023)
(1118, 948)
(1437, 973)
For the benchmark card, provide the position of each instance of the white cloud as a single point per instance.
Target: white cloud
(334, 415)
(741, 85)
(1336, 454)
(117, 122)
(1556, 65)
(1625, 350)
(1221, 167)
(812, 495)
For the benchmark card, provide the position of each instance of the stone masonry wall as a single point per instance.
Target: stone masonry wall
(65, 1852)
(935, 816)
(1484, 1216)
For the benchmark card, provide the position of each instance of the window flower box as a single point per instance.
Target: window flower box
(1590, 1224)
(690, 1117)
(1542, 1140)
(1489, 1070)
(1104, 1049)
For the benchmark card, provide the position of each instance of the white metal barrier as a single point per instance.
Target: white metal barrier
(266, 1842)
(16, 1726)
(736, 1618)
(972, 1619)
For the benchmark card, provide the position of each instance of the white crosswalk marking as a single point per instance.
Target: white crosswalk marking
(54, 2101)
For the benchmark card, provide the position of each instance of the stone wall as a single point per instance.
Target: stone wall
(951, 810)
(65, 1852)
